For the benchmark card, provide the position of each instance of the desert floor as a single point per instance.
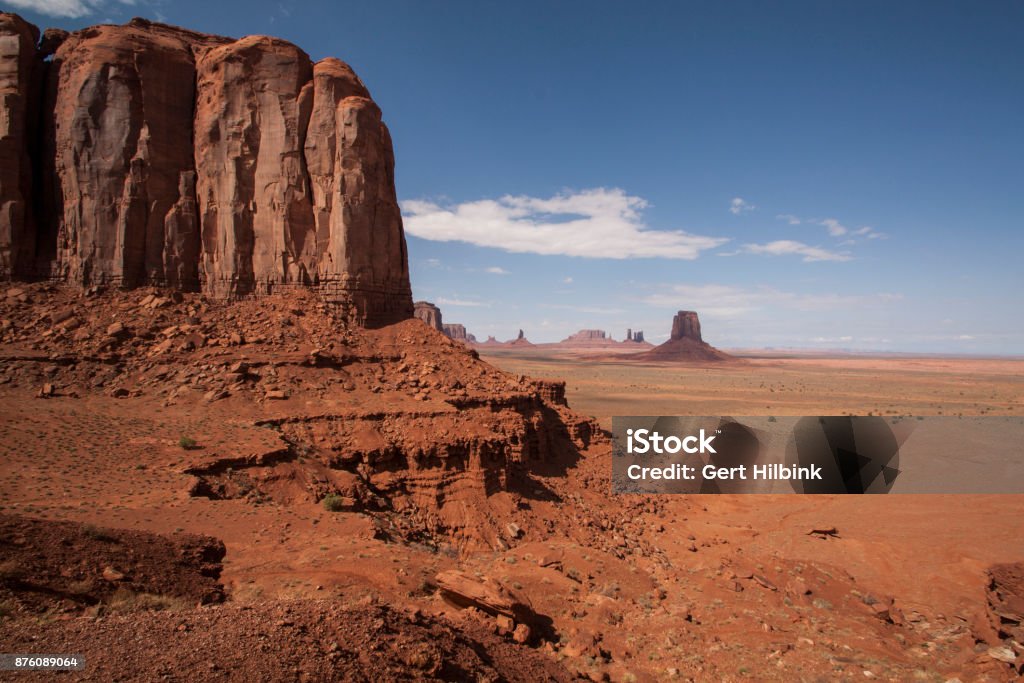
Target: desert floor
(637, 588)
(855, 385)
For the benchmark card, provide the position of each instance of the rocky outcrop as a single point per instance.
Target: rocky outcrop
(200, 162)
(685, 343)
(19, 83)
(513, 611)
(429, 313)
(686, 325)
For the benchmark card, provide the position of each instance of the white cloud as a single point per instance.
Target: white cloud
(567, 281)
(72, 9)
(54, 8)
(597, 223)
(740, 205)
(835, 228)
(792, 247)
(870, 233)
(496, 270)
(727, 301)
(442, 301)
(789, 218)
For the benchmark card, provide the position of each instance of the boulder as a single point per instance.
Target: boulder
(485, 594)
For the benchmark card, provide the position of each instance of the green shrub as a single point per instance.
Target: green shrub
(187, 443)
(333, 502)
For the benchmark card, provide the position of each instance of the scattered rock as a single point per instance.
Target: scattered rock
(111, 574)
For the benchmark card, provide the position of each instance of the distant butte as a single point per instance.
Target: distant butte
(520, 340)
(429, 313)
(685, 343)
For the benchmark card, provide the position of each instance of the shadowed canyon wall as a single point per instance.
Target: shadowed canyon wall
(169, 157)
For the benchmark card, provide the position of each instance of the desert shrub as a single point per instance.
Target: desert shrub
(333, 502)
(187, 443)
(124, 600)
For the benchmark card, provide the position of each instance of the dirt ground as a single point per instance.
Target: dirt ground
(345, 471)
(850, 385)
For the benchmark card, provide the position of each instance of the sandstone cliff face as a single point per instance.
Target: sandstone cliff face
(254, 200)
(203, 163)
(19, 81)
(118, 152)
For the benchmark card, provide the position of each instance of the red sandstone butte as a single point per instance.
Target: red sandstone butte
(685, 343)
(430, 314)
(170, 157)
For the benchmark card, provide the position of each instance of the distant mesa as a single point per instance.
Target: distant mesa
(599, 339)
(685, 343)
(457, 331)
(587, 336)
(431, 315)
(428, 313)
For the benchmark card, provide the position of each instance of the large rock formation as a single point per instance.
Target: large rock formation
(199, 162)
(429, 313)
(684, 344)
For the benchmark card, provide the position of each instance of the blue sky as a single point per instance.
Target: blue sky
(803, 174)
